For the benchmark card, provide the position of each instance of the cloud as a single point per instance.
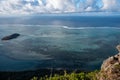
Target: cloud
(57, 6)
(111, 5)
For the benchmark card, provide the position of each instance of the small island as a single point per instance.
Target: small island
(9, 37)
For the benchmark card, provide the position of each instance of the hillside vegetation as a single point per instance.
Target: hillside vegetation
(71, 76)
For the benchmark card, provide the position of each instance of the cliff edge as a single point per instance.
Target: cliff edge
(110, 69)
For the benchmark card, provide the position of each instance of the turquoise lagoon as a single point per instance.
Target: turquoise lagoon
(56, 46)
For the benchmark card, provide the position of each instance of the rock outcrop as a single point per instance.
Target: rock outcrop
(110, 69)
(13, 36)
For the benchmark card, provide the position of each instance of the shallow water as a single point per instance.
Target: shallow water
(56, 46)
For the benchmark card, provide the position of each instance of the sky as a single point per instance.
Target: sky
(13, 7)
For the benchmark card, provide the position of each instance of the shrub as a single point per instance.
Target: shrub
(71, 76)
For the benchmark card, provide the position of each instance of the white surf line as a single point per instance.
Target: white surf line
(66, 27)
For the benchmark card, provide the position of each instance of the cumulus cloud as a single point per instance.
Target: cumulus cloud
(111, 5)
(57, 6)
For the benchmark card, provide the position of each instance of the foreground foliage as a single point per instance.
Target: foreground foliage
(71, 76)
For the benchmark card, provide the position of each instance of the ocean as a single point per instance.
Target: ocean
(58, 42)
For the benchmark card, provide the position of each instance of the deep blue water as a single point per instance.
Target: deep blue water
(68, 42)
(71, 21)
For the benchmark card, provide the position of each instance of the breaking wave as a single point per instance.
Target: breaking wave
(62, 26)
(67, 27)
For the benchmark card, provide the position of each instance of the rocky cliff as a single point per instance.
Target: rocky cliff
(110, 69)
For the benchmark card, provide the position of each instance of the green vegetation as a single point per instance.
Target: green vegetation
(71, 76)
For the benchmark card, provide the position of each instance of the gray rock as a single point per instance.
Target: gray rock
(9, 37)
